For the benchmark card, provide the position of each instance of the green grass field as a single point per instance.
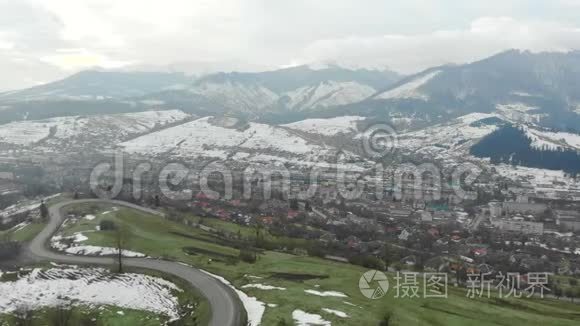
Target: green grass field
(158, 237)
(30, 231)
(86, 316)
(27, 233)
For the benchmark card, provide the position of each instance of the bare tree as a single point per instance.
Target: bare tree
(62, 315)
(91, 319)
(23, 316)
(44, 211)
(122, 236)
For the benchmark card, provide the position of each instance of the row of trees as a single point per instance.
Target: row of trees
(570, 292)
(62, 315)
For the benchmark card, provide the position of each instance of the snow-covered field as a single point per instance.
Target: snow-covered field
(101, 251)
(410, 89)
(303, 318)
(453, 137)
(106, 129)
(72, 245)
(19, 208)
(521, 107)
(534, 176)
(553, 140)
(93, 287)
(244, 97)
(327, 127)
(206, 137)
(22, 207)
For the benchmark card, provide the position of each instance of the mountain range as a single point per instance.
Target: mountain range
(531, 89)
(538, 87)
(247, 94)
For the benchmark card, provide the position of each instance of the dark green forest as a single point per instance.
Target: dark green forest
(511, 145)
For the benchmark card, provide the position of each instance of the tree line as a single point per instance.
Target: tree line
(511, 145)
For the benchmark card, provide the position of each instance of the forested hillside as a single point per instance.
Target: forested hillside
(510, 144)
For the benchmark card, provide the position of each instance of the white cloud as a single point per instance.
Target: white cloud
(408, 53)
(209, 35)
(78, 59)
(83, 21)
(5, 45)
(571, 3)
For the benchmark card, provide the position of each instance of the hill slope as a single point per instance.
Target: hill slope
(97, 85)
(541, 87)
(84, 133)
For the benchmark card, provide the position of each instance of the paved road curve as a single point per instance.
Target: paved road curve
(225, 305)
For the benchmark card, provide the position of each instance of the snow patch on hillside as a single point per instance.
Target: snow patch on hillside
(248, 98)
(409, 90)
(536, 177)
(70, 245)
(328, 93)
(101, 251)
(204, 138)
(550, 140)
(303, 318)
(253, 306)
(335, 312)
(477, 116)
(520, 112)
(22, 207)
(94, 287)
(107, 129)
(28, 132)
(523, 94)
(262, 287)
(454, 137)
(327, 293)
(521, 107)
(327, 127)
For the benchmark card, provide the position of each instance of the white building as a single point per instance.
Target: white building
(520, 226)
(495, 209)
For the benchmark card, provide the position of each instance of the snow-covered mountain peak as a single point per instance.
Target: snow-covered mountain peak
(327, 94)
(244, 97)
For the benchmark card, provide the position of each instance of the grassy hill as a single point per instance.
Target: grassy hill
(217, 253)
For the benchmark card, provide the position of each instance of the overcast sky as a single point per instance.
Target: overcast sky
(43, 40)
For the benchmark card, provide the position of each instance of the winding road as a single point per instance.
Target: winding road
(225, 305)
